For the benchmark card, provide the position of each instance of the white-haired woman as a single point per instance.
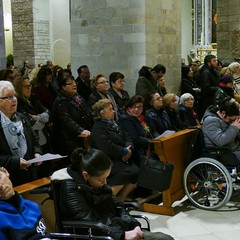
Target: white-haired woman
(18, 142)
(187, 113)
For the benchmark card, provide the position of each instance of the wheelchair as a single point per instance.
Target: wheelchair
(208, 184)
(74, 229)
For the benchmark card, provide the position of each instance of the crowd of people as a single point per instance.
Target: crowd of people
(50, 111)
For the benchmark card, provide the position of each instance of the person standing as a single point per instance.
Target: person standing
(208, 80)
(83, 82)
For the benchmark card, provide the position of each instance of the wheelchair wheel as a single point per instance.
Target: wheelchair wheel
(208, 184)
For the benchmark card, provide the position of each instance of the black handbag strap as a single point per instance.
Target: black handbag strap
(148, 153)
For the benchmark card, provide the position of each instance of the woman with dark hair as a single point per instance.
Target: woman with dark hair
(86, 196)
(134, 124)
(117, 84)
(7, 74)
(107, 136)
(226, 84)
(188, 85)
(156, 116)
(71, 118)
(43, 88)
(145, 83)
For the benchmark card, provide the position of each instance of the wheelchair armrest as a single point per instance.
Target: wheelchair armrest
(85, 224)
(140, 216)
(217, 149)
(131, 205)
(40, 190)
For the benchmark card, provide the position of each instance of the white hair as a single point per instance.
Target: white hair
(232, 67)
(184, 97)
(5, 84)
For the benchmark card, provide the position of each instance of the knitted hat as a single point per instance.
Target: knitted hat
(226, 78)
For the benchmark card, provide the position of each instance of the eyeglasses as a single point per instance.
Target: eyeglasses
(137, 107)
(103, 82)
(71, 83)
(9, 98)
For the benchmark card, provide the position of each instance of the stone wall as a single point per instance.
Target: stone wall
(23, 35)
(31, 36)
(113, 35)
(228, 31)
(2, 40)
(41, 41)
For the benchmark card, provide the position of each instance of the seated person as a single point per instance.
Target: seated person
(93, 201)
(221, 129)
(156, 116)
(225, 89)
(187, 113)
(108, 137)
(21, 219)
(170, 104)
(18, 141)
(133, 123)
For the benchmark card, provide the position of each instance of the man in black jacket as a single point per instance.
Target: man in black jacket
(83, 82)
(208, 80)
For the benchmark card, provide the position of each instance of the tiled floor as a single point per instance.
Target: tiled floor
(191, 223)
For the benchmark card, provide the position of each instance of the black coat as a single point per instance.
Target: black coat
(158, 121)
(208, 80)
(12, 163)
(109, 138)
(83, 88)
(69, 120)
(135, 131)
(174, 119)
(188, 119)
(120, 101)
(79, 201)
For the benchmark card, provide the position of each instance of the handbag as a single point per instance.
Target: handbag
(155, 174)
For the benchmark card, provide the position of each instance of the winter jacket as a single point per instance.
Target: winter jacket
(79, 201)
(69, 120)
(219, 133)
(21, 219)
(108, 137)
(158, 121)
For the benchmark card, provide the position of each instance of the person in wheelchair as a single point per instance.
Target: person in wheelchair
(221, 129)
(21, 219)
(86, 196)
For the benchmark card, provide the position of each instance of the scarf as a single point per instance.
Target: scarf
(13, 131)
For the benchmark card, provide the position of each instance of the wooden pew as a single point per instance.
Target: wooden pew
(172, 148)
(48, 207)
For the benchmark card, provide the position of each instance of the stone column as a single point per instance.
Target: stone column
(113, 35)
(2, 39)
(228, 31)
